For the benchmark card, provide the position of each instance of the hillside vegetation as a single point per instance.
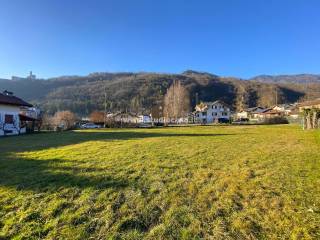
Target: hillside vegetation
(138, 92)
(299, 78)
(240, 182)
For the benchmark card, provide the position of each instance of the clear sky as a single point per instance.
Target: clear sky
(239, 38)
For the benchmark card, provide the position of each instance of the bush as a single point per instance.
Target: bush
(47, 122)
(97, 117)
(64, 120)
(276, 120)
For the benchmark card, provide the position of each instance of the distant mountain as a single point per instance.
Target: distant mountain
(299, 78)
(138, 92)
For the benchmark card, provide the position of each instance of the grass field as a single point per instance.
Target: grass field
(237, 182)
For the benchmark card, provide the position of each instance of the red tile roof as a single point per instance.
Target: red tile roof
(12, 100)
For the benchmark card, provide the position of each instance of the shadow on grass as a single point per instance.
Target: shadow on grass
(51, 175)
(51, 140)
(46, 175)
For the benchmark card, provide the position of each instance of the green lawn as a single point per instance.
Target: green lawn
(237, 182)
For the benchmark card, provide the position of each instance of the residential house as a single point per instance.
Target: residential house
(130, 118)
(11, 121)
(285, 108)
(145, 119)
(272, 113)
(259, 114)
(244, 114)
(31, 118)
(210, 112)
(252, 114)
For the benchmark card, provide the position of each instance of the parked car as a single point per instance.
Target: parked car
(89, 126)
(158, 124)
(241, 121)
(223, 120)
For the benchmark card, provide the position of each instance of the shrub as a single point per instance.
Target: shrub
(64, 120)
(276, 120)
(97, 117)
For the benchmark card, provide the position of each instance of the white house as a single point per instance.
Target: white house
(145, 119)
(10, 107)
(210, 112)
(252, 114)
(124, 117)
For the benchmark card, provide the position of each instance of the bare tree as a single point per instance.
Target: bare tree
(64, 120)
(176, 102)
(47, 122)
(98, 117)
(157, 113)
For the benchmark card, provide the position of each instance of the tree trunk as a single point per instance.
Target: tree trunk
(314, 120)
(308, 121)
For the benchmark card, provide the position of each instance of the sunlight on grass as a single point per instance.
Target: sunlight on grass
(252, 182)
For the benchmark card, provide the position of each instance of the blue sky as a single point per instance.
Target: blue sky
(241, 38)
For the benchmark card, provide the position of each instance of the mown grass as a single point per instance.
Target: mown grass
(241, 182)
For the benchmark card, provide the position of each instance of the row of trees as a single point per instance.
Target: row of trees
(175, 105)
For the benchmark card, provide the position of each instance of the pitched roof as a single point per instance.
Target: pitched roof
(12, 100)
(255, 109)
(272, 111)
(215, 102)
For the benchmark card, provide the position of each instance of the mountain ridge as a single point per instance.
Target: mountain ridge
(141, 91)
(294, 78)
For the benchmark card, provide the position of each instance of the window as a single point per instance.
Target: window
(8, 118)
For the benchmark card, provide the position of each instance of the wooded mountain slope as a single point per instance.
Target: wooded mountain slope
(140, 91)
(299, 78)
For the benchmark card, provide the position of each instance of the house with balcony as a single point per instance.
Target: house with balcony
(212, 112)
(12, 122)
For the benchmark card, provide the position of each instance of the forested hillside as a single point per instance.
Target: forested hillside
(140, 91)
(299, 78)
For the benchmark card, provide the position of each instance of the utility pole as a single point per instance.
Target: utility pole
(105, 106)
(197, 98)
(306, 90)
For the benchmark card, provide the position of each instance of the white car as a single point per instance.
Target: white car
(90, 126)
